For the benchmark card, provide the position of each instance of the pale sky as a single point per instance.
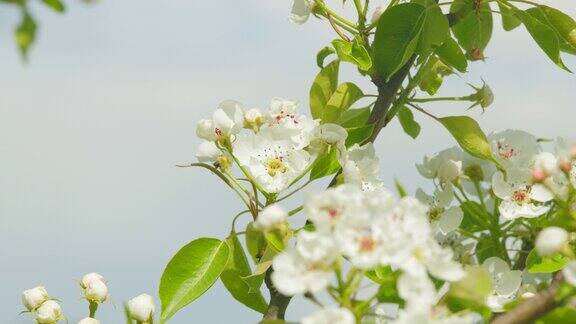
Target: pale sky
(91, 128)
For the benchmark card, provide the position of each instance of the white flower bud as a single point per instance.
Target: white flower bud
(96, 291)
(141, 308)
(33, 298)
(271, 217)
(49, 312)
(208, 152)
(205, 129)
(377, 13)
(89, 278)
(551, 240)
(89, 320)
(331, 133)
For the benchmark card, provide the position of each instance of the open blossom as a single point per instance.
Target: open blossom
(296, 272)
(141, 308)
(445, 165)
(301, 10)
(505, 283)
(271, 217)
(327, 135)
(253, 119)
(227, 120)
(519, 197)
(284, 122)
(330, 315)
(361, 240)
(33, 298)
(273, 163)
(361, 167)
(513, 148)
(49, 312)
(442, 217)
(551, 240)
(328, 208)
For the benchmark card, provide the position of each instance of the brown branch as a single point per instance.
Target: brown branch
(278, 302)
(533, 308)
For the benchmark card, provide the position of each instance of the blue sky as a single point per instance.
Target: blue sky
(91, 128)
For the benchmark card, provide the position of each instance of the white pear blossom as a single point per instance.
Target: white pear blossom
(285, 122)
(327, 134)
(271, 217)
(227, 120)
(49, 312)
(551, 240)
(330, 315)
(33, 298)
(445, 165)
(514, 148)
(519, 197)
(253, 119)
(91, 277)
(442, 217)
(301, 10)
(569, 273)
(272, 162)
(96, 291)
(89, 320)
(141, 308)
(328, 208)
(361, 167)
(297, 273)
(505, 283)
(361, 240)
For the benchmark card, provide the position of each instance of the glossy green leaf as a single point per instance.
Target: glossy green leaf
(400, 188)
(255, 242)
(358, 135)
(326, 164)
(323, 87)
(435, 29)
(509, 19)
(559, 315)
(341, 100)
(354, 53)
(469, 135)
(397, 37)
(388, 291)
(277, 239)
(473, 216)
(25, 34)
(409, 125)
(322, 55)
(473, 25)
(549, 264)
(485, 248)
(451, 54)
(561, 23)
(56, 5)
(544, 35)
(354, 117)
(190, 273)
(232, 277)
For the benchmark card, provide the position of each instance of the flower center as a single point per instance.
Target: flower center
(505, 151)
(520, 196)
(275, 166)
(332, 212)
(367, 244)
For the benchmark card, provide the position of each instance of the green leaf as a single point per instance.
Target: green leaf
(509, 19)
(562, 24)
(397, 37)
(341, 100)
(485, 248)
(559, 315)
(469, 135)
(277, 239)
(354, 53)
(388, 291)
(358, 134)
(232, 277)
(473, 214)
(326, 164)
(538, 264)
(323, 87)
(409, 125)
(432, 75)
(473, 27)
(322, 55)
(544, 36)
(56, 5)
(435, 29)
(400, 188)
(471, 292)
(255, 242)
(25, 33)
(354, 117)
(451, 54)
(190, 273)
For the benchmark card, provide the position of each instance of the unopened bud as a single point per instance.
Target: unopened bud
(89, 278)
(271, 217)
(377, 13)
(253, 119)
(551, 240)
(539, 175)
(565, 166)
(205, 130)
(141, 308)
(33, 298)
(89, 320)
(96, 291)
(49, 312)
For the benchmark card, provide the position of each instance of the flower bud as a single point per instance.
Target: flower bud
(205, 129)
(377, 13)
(49, 312)
(565, 166)
(271, 217)
(89, 278)
(96, 291)
(141, 308)
(539, 175)
(551, 240)
(253, 119)
(474, 172)
(89, 320)
(33, 298)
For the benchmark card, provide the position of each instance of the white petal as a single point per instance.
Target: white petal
(300, 13)
(450, 219)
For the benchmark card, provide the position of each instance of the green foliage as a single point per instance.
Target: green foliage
(255, 242)
(323, 87)
(358, 135)
(325, 165)
(322, 55)
(233, 277)
(549, 264)
(387, 279)
(354, 117)
(435, 29)
(400, 188)
(25, 33)
(473, 27)
(469, 135)
(354, 53)
(190, 273)
(56, 5)
(409, 125)
(473, 215)
(451, 54)
(559, 315)
(509, 20)
(341, 100)
(562, 24)
(471, 292)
